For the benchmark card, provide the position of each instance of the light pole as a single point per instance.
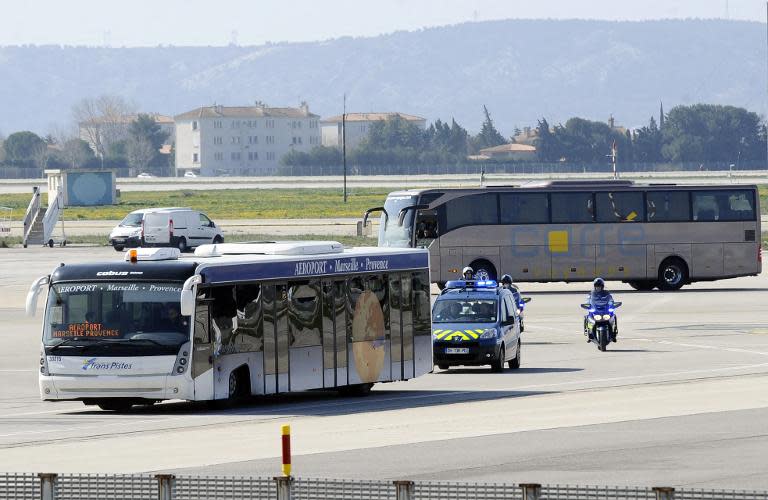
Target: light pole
(344, 144)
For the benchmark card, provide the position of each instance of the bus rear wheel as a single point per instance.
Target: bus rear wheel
(673, 274)
(483, 270)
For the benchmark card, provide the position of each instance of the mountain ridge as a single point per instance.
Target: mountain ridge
(521, 69)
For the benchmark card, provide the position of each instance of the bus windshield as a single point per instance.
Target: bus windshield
(135, 313)
(390, 234)
(465, 311)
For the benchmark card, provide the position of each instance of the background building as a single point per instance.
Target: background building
(358, 125)
(105, 131)
(242, 140)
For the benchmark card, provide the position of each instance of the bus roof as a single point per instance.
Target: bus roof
(246, 267)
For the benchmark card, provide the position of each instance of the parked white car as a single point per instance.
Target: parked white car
(190, 174)
(182, 228)
(144, 175)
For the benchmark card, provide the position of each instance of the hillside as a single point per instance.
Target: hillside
(520, 69)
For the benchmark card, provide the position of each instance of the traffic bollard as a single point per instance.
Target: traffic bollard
(286, 438)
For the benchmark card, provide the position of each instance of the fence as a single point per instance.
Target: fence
(170, 487)
(519, 167)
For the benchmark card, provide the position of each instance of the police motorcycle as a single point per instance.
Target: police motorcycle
(600, 323)
(520, 301)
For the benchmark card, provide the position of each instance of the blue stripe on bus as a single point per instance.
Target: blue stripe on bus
(314, 267)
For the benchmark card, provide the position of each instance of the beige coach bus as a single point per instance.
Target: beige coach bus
(647, 235)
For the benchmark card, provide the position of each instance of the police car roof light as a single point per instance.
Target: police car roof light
(471, 284)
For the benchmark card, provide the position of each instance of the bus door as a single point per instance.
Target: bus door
(270, 343)
(202, 353)
(406, 315)
(282, 341)
(334, 334)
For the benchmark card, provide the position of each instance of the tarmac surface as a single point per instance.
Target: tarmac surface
(681, 400)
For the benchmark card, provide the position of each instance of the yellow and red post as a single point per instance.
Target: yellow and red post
(286, 437)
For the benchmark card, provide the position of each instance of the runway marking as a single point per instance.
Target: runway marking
(700, 346)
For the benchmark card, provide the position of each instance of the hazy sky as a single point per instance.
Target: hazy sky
(247, 22)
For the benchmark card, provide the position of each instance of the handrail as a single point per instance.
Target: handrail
(32, 210)
(51, 216)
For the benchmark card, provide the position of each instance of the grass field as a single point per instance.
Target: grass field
(241, 203)
(226, 203)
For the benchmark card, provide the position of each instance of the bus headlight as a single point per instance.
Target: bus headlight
(43, 365)
(180, 366)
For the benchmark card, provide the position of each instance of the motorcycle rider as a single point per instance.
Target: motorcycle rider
(506, 282)
(600, 296)
(468, 273)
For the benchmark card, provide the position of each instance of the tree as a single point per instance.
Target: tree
(75, 153)
(488, 136)
(2, 149)
(547, 146)
(145, 126)
(140, 152)
(583, 140)
(23, 148)
(647, 143)
(103, 121)
(713, 133)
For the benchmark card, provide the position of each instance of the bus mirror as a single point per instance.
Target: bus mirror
(187, 302)
(401, 216)
(375, 209)
(34, 292)
(188, 295)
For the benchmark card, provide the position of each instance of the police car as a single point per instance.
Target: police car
(475, 323)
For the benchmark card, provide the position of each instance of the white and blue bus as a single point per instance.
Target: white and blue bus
(233, 320)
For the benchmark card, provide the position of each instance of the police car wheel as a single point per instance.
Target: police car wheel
(516, 362)
(498, 364)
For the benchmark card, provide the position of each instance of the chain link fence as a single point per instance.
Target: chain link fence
(170, 487)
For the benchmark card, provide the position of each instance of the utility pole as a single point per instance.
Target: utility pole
(344, 144)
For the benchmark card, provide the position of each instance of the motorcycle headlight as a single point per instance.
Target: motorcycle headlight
(488, 334)
(606, 316)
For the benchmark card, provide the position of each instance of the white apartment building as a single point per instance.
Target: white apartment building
(358, 125)
(242, 140)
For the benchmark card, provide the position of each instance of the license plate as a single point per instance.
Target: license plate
(457, 350)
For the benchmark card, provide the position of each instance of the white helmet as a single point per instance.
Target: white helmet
(467, 270)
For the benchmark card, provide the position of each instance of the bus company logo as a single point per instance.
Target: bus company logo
(112, 273)
(311, 267)
(346, 266)
(94, 364)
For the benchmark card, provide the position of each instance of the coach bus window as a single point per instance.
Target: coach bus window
(668, 206)
(471, 210)
(723, 205)
(529, 208)
(249, 331)
(426, 228)
(304, 313)
(572, 208)
(619, 207)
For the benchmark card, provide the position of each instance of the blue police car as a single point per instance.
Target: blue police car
(476, 323)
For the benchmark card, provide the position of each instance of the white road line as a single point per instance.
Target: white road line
(701, 346)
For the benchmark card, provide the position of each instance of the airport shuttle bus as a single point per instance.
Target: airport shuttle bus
(233, 320)
(654, 235)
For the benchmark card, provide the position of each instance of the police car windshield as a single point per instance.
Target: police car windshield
(465, 310)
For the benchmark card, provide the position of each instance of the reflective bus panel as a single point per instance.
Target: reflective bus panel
(647, 235)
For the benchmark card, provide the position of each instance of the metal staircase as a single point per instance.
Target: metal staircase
(39, 225)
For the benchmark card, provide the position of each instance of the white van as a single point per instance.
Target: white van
(127, 234)
(182, 228)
